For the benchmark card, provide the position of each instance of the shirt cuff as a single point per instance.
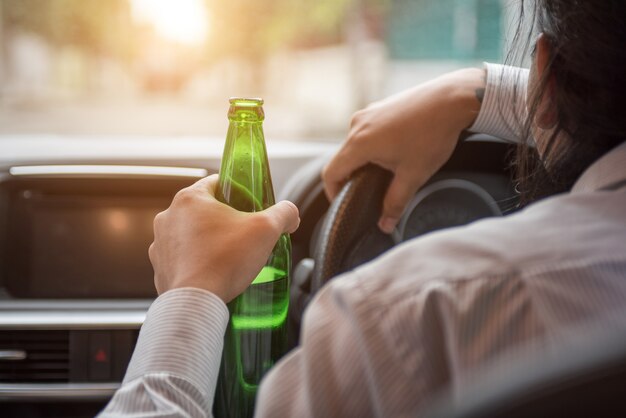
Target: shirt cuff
(183, 335)
(503, 111)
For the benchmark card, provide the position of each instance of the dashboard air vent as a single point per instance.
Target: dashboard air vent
(34, 356)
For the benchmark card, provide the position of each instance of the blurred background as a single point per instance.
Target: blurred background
(168, 67)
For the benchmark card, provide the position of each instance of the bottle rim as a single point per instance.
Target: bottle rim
(245, 101)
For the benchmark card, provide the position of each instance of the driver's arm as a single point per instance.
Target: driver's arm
(173, 371)
(414, 133)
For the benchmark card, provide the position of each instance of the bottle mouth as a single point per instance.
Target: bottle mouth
(246, 110)
(246, 102)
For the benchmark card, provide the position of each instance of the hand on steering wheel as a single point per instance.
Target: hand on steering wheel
(411, 134)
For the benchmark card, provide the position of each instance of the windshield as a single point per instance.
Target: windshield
(168, 67)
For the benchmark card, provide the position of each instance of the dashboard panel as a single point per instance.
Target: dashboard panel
(81, 238)
(75, 279)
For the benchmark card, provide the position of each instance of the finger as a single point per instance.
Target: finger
(398, 195)
(338, 170)
(207, 184)
(283, 217)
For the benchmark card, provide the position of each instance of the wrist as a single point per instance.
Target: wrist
(206, 283)
(465, 89)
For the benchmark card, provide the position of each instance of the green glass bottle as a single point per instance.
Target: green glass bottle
(256, 336)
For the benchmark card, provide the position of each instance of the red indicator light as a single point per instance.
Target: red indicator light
(101, 356)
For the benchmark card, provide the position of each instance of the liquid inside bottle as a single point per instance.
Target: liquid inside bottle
(256, 336)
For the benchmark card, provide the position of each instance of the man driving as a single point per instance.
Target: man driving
(382, 339)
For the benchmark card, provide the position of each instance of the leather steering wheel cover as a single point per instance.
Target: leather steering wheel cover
(355, 210)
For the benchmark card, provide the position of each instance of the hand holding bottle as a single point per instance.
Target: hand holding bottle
(201, 242)
(411, 134)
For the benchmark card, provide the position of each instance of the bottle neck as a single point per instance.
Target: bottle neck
(245, 181)
(246, 115)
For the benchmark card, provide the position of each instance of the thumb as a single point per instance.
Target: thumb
(398, 194)
(284, 216)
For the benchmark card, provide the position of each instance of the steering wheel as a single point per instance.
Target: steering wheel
(349, 235)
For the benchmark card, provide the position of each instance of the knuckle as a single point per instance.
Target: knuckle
(158, 219)
(356, 118)
(358, 134)
(184, 196)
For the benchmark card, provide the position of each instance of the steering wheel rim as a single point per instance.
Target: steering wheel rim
(353, 213)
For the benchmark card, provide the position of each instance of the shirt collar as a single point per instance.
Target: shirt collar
(608, 170)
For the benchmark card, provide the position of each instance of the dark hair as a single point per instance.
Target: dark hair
(587, 67)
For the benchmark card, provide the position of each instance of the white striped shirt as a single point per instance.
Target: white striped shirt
(382, 339)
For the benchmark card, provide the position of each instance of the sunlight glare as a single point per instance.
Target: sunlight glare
(118, 221)
(183, 21)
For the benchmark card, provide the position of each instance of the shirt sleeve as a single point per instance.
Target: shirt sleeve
(174, 369)
(503, 110)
